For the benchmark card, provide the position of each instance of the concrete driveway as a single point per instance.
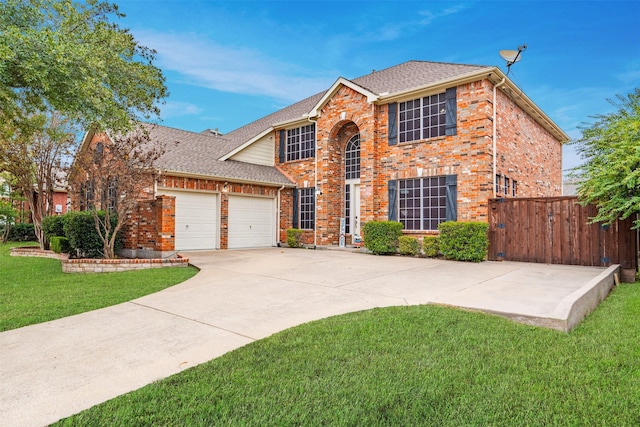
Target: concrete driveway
(55, 369)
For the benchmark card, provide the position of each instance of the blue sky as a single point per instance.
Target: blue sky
(228, 63)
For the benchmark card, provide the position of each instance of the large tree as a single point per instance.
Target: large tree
(35, 158)
(610, 175)
(68, 56)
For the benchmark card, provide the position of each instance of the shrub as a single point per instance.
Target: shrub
(431, 246)
(80, 229)
(60, 244)
(408, 245)
(381, 237)
(53, 226)
(22, 232)
(464, 241)
(294, 237)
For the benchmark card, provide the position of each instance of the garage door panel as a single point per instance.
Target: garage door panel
(196, 220)
(251, 222)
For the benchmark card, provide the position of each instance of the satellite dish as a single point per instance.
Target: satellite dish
(512, 56)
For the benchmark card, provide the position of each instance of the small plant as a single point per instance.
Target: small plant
(294, 237)
(381, 237)
(464, 241)
(431, 246)
(53, 226)
(60, 244)
(80, 229)
(408, 245)
(22, 232)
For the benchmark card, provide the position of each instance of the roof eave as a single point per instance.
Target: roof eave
(225, 178)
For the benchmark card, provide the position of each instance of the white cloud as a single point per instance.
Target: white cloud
(173, 109)
(241, 70)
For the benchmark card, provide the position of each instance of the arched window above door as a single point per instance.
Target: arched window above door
(352, 158)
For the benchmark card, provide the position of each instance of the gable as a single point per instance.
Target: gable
(260, 152)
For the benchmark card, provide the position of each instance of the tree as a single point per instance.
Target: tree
(111, 175)
(8, 214)
(610, 176)
(35, 159)
(66, 56)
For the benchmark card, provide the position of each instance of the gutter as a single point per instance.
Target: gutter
(495, 134)
(315, 178)
(279, 211)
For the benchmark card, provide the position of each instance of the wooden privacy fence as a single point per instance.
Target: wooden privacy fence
(556, 230)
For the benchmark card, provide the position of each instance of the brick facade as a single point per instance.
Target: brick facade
(526, 152)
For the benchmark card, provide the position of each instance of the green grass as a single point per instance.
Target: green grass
(35, 290)
(404, 366)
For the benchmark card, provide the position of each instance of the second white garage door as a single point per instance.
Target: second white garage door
(251, 222)
(196, 220)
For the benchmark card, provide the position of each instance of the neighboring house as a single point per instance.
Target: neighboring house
(419, 143)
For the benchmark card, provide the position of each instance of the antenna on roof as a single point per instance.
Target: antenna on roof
(512, 56)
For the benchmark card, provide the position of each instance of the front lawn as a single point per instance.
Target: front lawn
(402, 366)
(35, 290)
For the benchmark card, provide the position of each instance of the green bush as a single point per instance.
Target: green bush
(294, 237)
(408, 245)
(22, 232)
(80, 229)
(53, 226)
(381, 237)
(464, 241)
(431, 246)
(60, 244)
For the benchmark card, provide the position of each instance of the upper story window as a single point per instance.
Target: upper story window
(301, 142)
(352, 158)
(422, 118)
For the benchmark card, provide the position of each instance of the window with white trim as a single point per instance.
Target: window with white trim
(307, 208)
(422, 118)
(422, 202)
(301, 142)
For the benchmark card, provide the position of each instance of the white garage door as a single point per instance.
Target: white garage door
(251, 222)
(196, 220)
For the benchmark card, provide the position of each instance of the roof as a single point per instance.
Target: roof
(190, 153)
(208, 153)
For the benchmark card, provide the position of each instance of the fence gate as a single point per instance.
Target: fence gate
(556, 230)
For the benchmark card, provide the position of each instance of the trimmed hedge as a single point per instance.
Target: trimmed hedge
(408, 245)
(464, 241)
(431, 246)
(381, 237)
(294, 237)
(60, 244)
(80, 229)
(22, 232)
(53, 226)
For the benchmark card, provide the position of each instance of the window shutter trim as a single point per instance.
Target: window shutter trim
(451, 184)
(296, 206)
(451, 111)
(282, 142)
(393, 123)
(393, 200)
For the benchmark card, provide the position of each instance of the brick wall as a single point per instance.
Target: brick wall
(525, 150)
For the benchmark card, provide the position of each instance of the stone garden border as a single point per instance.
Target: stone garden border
(89, 265)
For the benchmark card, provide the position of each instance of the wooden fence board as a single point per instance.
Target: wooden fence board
(556, 230)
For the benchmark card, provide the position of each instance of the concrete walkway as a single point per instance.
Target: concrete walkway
(55, 369)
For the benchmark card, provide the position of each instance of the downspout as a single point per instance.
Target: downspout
(495, 134)
(279, 212)
(315, 184)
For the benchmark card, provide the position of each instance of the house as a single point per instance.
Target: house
(420, 143)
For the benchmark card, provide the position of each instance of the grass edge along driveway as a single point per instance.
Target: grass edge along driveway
(35, 290)
(416, 365)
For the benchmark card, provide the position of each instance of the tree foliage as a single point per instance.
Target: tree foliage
(35, 158)
(610, 176)
(67, 56)
(110, 175)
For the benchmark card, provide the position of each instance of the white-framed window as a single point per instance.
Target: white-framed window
(514, 188)
(307, 208)
(498, 183)
(422, 118)
(507, 186)
(301, 142)
(422, 202)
